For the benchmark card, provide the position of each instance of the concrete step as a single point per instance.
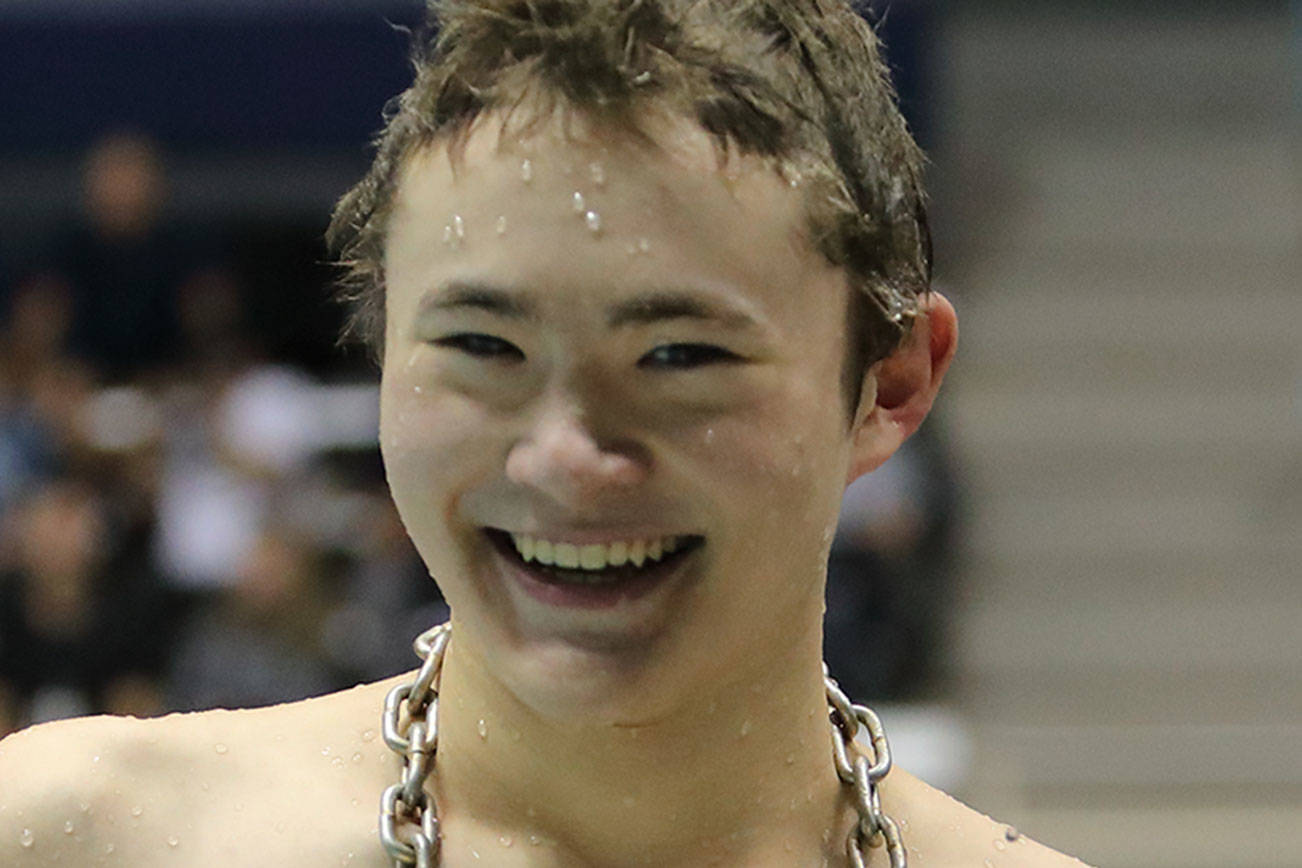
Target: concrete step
(1128, 634)
(1007, 72)
(1065, 696)
(993, 467)
(1065, 580)
(1160, 189)
(1110, 413)
(1161, 836)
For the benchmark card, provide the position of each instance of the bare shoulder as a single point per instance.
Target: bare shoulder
(203, 788)
(54, 778)
(942, 832)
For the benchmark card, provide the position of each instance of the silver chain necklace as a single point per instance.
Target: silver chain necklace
(409, 824)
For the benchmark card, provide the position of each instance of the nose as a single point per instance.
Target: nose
(561, 457)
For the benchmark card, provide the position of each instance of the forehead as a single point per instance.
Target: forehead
(567, 202)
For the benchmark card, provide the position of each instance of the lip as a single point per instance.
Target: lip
(605, 536)
(589, 597)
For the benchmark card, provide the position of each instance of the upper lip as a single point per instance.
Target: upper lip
(594, 536)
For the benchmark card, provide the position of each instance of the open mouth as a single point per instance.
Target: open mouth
(611, 567)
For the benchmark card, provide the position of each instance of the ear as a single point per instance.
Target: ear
(898, 391)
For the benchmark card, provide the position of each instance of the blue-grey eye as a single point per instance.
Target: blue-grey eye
(483, 346)
(686, 356)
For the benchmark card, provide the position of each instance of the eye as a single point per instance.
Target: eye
(686, 356)
(483, 346)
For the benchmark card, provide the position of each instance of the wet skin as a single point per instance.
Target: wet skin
(685, 727)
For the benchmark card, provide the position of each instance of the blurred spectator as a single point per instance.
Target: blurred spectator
(75, 623)
(261, 641)
(890, 573)
(388, 598)
(122, 262)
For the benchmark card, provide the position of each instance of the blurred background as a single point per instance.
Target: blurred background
(1074, 597)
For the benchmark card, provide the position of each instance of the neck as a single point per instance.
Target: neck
(741, 774)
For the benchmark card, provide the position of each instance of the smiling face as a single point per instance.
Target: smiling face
(601, 346)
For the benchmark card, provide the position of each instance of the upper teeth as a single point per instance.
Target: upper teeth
(596, 556)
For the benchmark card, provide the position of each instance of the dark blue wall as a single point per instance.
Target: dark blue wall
(293, 80)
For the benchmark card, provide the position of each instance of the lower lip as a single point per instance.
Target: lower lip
(594, 597)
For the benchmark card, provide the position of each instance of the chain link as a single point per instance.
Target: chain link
(409, 825)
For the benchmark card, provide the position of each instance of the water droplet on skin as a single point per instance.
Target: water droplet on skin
(531, 811)
(709, 435)
(68, 828)
(643, 245)
(325, 751)
(357, 758)
(745, 728)
(136, 811)
(84, 807)
(593, 219)
(505, 841)
(337, 762)
(220, 748)
(447, 235)
(526, 171)
(418, 390)
(989, 864)
(1011, 833)
(95, 758)
(534, 840)
(356, 802)
(458, 227)
(500, 227)
(482, 729)
(791, 759)
(580, 206)
(27, 839)
(1000, 845)
(172, 841)
(475, 853)
(368, 735)
(598, 174)
(109, 848)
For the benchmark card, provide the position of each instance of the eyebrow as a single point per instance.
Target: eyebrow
(650, 307)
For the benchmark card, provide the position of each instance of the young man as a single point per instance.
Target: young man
(650, 284)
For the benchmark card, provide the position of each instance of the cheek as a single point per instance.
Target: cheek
(430, 443)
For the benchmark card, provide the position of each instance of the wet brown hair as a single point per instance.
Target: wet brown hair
(798, 82)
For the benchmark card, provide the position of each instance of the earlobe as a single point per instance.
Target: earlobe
(899, 390)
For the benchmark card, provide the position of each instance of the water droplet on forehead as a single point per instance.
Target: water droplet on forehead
(482, 728)
(27, 838)
(173, 841)
(593, 219)
(68, 828)
(598, 173)
(580, 204)
(447, 235)
(500, 227)
(368, 735)
(505, 840)
(643, 245)
(136, 811)
(220, 748)
(709, 435)
(458, 226)
(526, 171)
